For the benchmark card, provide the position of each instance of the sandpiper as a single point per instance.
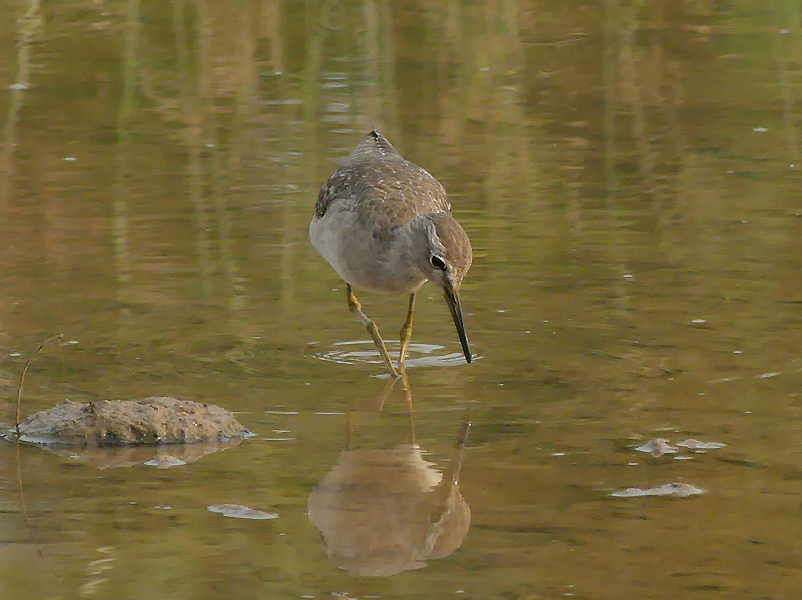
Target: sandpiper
(385, 225)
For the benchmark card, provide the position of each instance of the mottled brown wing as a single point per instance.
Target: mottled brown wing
(386, 190)
(393, 193)
(337, 187)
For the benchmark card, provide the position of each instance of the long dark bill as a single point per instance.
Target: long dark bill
(456, 313)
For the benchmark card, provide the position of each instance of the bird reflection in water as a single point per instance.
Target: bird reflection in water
(384, 511)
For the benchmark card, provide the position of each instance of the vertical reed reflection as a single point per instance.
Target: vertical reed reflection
(633, 90)
(238, 147)
(28, 24)
(372, 101)
(194, 142)
(783, 37)
(509, 188)
(207, 111)
(286, 146)
(610, 66)
(122, 241)
(612, 55)
(272, 30)
(388, 86)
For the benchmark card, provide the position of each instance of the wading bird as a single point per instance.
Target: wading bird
(385, 225)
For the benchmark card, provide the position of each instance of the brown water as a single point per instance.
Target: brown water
(629, 176)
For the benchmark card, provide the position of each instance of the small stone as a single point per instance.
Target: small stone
(657, 447)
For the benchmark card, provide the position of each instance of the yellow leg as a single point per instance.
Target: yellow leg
(408, 399)
(349, 429)
(356, 308)
(385, 393)
(406, 333)
(407, 389)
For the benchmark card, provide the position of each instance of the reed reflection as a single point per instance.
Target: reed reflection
(383, 511)
(29, 24)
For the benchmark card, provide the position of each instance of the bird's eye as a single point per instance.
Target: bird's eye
(437, 262)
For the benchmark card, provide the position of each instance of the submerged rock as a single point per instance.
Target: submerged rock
(237, 511)
(657, 447)
(695, 444)
(671, 490)
(153, 421)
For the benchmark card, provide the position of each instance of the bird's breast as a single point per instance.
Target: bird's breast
(359, 257)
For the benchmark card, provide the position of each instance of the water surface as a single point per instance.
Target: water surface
(628, 175)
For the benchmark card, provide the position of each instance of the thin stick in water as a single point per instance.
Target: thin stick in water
(22, 376)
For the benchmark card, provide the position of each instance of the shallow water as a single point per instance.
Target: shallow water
(628, 175)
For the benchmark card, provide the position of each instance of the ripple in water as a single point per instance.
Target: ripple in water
(419, 355)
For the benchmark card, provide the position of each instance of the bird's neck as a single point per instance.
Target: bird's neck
(402, 257)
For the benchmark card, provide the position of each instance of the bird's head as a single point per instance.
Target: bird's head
(447, 258)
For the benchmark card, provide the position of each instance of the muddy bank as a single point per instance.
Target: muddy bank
(153, 421)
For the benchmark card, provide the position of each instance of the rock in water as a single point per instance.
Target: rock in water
(152, 421)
